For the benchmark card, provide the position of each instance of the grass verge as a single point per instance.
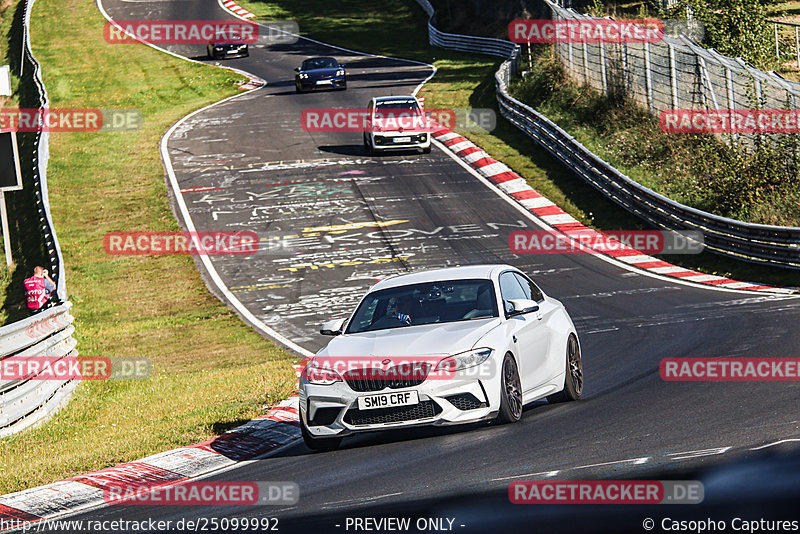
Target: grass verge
(211, 371)
(467, 80)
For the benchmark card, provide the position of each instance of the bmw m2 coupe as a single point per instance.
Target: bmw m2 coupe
(440, 347)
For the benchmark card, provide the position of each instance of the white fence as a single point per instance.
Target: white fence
(757, 243)
(787, 40)
(674, 73)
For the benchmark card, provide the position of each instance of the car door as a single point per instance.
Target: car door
(528, 332)
(550, 366)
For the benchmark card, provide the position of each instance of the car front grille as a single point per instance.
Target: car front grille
(363, 380)
(465, 401)
(423, 410)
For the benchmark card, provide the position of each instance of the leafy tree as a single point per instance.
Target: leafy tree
(736, 28)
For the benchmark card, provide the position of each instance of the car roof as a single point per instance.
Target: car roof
(390, 98)
(321, 57)
(447, 273)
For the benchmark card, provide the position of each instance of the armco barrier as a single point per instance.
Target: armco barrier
(30, 67)
(48, 334)
(757, 243)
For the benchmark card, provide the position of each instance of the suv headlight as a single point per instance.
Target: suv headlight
(464, 360)
(320, 375)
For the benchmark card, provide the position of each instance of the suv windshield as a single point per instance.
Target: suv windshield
(431, 302)
(319, 63)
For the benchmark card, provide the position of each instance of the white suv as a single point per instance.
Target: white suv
(396, 123)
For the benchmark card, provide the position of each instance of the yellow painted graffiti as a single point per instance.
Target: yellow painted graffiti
(341, 228)
(258, 287)
(316, 266)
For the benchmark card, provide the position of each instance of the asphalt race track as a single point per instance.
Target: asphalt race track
(246, 164)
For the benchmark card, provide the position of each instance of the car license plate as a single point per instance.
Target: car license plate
(323, 82)
(387, 400)
(232, 52)
(402, 139)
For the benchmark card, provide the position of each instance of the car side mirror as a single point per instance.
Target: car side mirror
(522, 306)
(333, 327)
(297, 69)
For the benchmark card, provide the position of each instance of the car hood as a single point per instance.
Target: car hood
(319, 73)
(406, 341)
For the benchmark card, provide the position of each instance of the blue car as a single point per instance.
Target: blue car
(320, 73)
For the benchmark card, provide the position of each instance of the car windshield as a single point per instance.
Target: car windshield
(319, 63)
(394, 107)
(428, 303)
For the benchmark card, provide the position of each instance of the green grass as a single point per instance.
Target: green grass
(467, 80)
(211, 371)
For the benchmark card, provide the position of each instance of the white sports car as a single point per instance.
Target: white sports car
(440, 347)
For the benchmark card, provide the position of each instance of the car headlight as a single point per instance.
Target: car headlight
(422, 137)
(303, 75)
(320, 375)
(340, 72)
(464, 360)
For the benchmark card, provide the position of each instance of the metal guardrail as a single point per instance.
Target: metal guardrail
(31, 67)
(757, 243)
(47, 335)
(24, 403)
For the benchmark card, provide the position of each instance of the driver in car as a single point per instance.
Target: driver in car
(397, 311)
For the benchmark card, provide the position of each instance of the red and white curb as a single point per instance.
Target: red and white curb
(232, 6)
(278, 427)
(253, 81)
(548, 212)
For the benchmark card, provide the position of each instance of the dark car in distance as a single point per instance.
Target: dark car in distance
(320, 73)
(227, 50)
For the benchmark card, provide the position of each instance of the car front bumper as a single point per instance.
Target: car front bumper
(332, 410)
(332, 83)
(387, 140)
(222, 54)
